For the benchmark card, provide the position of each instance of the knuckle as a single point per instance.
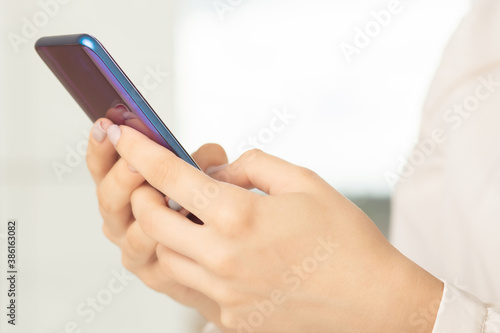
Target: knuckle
(137, 195)
(117, 176)
(152, 282)
(229, 318)
(226, 214)
(165, 262)
(106, 203)
(107, 233)
(226, 297)
(135, 242)
(127, 262)
(305, 173)
(251, 154)
(224, 265)
(166, 268)
(234, 220)
(127, 253)
(147, 279)
(146, 219)
(232, 230)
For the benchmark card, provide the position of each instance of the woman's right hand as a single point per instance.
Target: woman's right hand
(115, 182)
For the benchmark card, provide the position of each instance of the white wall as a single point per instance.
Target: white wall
(352, 121)
(64, 259)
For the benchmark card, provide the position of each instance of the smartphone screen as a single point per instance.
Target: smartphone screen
(101, 88)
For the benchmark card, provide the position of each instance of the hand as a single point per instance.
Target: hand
(301, 259)
(115, 182)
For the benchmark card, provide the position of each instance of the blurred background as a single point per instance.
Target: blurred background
(347, 82)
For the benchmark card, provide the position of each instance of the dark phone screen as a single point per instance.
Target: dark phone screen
(95, 89)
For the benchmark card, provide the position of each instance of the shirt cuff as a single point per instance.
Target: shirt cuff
(460, 311)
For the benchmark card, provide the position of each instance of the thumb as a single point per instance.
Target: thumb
(270, 174)
(209, 155)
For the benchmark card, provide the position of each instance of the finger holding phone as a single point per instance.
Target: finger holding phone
(301, 258)
(116, 181)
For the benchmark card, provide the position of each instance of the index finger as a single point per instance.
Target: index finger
(191, 188)
(100, 153)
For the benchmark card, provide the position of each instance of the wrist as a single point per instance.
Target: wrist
(417, 300)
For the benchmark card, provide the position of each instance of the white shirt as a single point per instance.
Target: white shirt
(446, 208)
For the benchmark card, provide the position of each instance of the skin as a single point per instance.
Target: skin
(301, 258)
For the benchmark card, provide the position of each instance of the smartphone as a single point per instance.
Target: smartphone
(102, 89)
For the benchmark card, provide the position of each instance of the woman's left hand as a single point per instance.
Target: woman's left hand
(302, 258)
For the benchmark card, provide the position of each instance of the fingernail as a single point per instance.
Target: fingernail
(132, 168)
(128, 115)
(98, 132)
(214, 169)
(114, 133)
(174, 205)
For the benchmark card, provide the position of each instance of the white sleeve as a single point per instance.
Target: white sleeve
(210, 328)
(460, 311)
